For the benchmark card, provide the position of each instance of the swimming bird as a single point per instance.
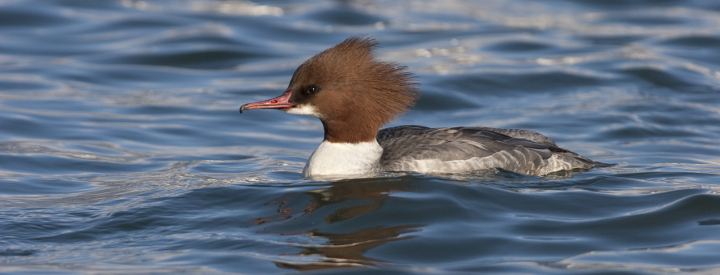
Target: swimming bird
(354, 95)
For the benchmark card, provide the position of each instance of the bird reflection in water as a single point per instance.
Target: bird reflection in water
(337, 209)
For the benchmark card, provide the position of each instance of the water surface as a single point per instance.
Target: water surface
(122, 151)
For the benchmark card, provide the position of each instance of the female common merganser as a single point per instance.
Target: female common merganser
(354, 95)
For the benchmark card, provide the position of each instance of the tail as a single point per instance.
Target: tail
(588, 162)
(600, 164)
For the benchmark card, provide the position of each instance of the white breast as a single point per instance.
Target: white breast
(342, 159)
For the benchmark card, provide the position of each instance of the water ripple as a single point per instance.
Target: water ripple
(121, 149)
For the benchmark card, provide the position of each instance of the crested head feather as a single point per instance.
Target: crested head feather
(372, 92)
(391, 87)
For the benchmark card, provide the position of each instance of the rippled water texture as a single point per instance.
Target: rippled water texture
(122, 149)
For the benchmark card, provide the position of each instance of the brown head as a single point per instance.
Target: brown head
(351, 92)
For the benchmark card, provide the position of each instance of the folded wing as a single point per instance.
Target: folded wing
(465, 149)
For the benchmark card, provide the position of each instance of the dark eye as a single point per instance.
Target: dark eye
(312, 89)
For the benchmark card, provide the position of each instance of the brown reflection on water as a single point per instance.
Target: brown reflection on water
(340, 250)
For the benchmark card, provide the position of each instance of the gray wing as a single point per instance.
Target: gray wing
(522, 134)
(516, 150)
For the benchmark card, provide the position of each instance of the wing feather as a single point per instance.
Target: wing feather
(458, 149)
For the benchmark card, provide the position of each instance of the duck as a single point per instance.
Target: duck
(354, 95)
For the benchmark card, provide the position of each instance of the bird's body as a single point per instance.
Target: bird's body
(354, 95)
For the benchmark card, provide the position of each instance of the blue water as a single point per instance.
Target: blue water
(122, 149)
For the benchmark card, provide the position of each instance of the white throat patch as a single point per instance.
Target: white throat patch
(338, 159)
(303, 109)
